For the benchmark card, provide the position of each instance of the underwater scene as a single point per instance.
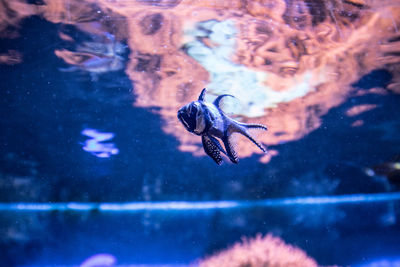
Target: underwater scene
(208, 133)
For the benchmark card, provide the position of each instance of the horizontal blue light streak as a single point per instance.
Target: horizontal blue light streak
(200, 205)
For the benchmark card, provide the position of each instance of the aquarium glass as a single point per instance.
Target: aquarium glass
(112, 154)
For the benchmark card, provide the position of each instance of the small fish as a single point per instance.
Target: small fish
(389, 169)
(210, 122)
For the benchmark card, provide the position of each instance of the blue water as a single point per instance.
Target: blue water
(102, 177)
(146, 236)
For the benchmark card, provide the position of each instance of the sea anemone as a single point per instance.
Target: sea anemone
(261, 251)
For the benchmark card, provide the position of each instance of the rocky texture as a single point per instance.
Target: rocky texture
(288, 62)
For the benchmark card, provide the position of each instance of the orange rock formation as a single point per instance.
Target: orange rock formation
(304, 54)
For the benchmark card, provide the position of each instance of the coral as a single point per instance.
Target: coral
(261, 251)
